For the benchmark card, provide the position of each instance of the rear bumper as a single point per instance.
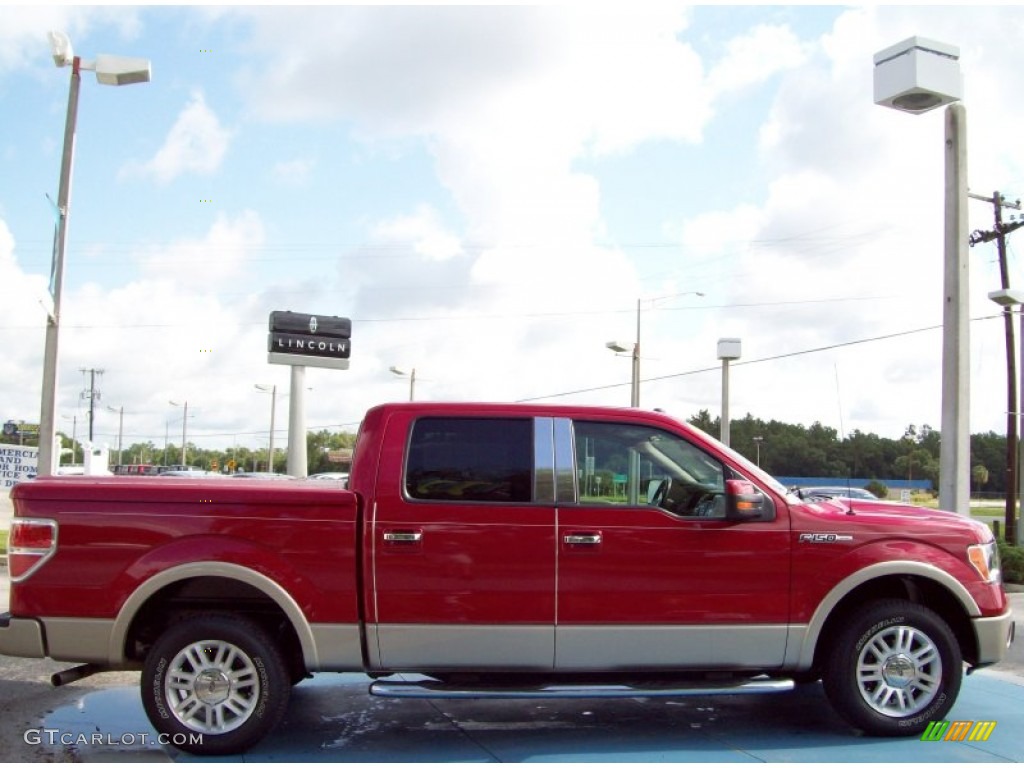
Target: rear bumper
(21, 637)
(994, 636)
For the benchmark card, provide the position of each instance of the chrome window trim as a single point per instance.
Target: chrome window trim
(565, 462)
(544, 461)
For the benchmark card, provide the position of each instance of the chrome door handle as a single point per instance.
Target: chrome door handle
(583, 538)
(403, 537)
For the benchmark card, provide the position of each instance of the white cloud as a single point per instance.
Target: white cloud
(206, 263)
(756, 57)
(293, 172)
(424, 231)
(196, 143)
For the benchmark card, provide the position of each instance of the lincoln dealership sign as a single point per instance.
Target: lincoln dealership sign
(297, 338)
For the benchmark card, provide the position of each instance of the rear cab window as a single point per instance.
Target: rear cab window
(470, 459)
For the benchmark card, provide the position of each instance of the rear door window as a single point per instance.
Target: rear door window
(470, 459)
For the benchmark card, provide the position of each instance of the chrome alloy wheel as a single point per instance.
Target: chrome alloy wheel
(212, 686)
(899, 671)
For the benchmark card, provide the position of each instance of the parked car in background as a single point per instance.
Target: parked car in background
(835, 492)
(338, 476)
(262, 475)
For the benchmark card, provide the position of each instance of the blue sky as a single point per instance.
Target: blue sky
(487, 192)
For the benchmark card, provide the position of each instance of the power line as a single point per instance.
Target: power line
(752, 362)
(461, 318)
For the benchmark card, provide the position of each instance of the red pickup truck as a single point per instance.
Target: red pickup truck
(501, 550)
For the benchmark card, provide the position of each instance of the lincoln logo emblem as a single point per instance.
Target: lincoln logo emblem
(312, 325)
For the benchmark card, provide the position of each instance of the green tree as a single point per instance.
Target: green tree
(979, 475)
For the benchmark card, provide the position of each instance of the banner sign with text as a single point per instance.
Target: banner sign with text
(17, 462)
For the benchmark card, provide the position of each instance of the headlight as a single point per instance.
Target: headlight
(985, 559)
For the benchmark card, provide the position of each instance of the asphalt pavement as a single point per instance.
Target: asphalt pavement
(332, 718)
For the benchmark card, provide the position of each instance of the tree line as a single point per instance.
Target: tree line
(793, 450)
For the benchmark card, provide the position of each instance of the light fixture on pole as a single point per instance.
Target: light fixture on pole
(918, 75)
(633, 348)
(757, 443)
(110, 70)
(184, 430)
(412, 380)
(1010, 298)
(272, 389)
(728, 349)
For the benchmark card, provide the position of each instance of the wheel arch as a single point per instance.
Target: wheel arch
(918, 582)
(230, 580)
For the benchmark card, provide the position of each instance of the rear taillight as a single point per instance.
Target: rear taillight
(32, 542)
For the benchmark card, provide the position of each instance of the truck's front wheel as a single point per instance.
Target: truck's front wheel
(214, 685)
(894, 668)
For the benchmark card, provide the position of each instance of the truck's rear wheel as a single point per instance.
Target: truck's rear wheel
(893, 669)
(214, 685)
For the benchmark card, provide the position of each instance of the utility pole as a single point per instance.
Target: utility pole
(91, 394)
(999, 234)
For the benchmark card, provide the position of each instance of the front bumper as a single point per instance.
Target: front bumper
(994, 636)
(21, 637)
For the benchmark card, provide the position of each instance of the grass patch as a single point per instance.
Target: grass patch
(3, 542)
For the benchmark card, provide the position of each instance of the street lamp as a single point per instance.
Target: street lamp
(757, 443)
(412, 380)
(634, 347)
(1010, 298)
(184, 429)
(728, 349)
(273, 409)
(110, 70)
(120, 428)
(918, 75)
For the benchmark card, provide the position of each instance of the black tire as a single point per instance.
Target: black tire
(214, 685)
(895, 667)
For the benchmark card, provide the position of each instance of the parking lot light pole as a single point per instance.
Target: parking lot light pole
(633, 348)
(1015, 298)
(916, 76)
(120, 428)
(412, 379)
(110, 70)
(272, 389)
(184, 430)
(728, 349)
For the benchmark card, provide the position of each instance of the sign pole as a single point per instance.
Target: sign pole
(297, 465)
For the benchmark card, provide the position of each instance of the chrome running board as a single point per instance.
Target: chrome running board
(435, 689)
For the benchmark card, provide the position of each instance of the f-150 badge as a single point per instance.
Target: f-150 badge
(823, 538)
